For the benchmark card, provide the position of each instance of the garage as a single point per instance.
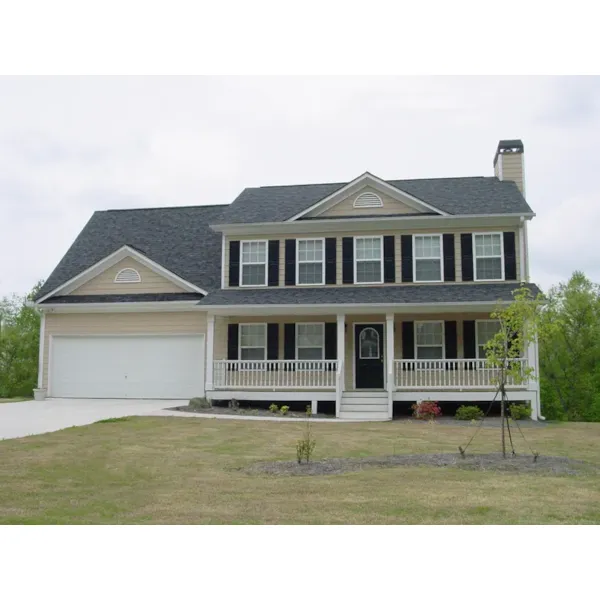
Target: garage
(126, 366)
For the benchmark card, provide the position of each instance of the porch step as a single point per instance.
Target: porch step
(365, 416)
(365, 394)
(364, 407)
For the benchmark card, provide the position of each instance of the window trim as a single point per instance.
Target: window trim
(356, 260)
(242, 263)
(415, 259)
(298, 262)
(477, 321)
(417, 345)
(475, 257)
(322, 324)
(263, 367)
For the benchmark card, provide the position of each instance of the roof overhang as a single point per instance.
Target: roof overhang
(373, 223)
(113, 259)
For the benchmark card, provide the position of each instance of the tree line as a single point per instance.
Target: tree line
(568, 330)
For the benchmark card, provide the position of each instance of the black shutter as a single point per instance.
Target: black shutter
(234, 264)
(347, 260)
(406, 248)
(448, 241)
(510, 256)
(330, 260)
(470, 349)
(272, 341)
(408, 343)
(233, 347)
(289, 344)
(389, 264)
(290, 262)
(273, 263)
(466, 250)
(451, 343)
(331, 342)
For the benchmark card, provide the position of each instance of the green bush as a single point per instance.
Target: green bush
(468, 413)
(284, 410)
(200, 403)
(519, 411)
(274, 408)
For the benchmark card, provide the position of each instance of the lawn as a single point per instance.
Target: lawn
(174, 470)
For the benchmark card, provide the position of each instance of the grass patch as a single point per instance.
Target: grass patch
(4, 400)
(114, 420)
(173, 470)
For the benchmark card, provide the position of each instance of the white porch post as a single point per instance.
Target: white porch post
(40, 392)
(210, 345)
(391, 383)
(341, 353)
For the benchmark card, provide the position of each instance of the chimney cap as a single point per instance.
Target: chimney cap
(512, 146)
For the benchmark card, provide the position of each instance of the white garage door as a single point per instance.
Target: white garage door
(162, 366)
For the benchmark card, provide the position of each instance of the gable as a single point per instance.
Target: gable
(390, 206)
(104, 283)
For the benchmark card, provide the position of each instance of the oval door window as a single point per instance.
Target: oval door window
(369, 343)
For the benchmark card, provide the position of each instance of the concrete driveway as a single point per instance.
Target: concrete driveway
(18, 419)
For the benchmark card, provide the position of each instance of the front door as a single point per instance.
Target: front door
(368, 356)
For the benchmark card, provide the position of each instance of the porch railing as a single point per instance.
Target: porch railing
(458, 374)
(274, 374)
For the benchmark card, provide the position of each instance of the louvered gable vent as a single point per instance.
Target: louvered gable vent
(368, 200)
(128, 276)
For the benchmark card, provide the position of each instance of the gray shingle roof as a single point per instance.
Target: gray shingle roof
(456, 196)
(177, 238)
(90, 298)
(393, 294)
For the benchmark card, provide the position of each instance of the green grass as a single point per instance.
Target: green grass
(174, 470)
(3, 400)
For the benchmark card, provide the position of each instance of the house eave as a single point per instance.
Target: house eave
(108, 307)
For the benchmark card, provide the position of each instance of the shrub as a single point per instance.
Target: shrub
(114, 420)
(274, 408)
(468, 413)
(426, 410)
(284, 410)
(306, 446)
(200, 403)
(519, 411)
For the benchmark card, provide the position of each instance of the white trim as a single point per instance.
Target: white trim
(113, 259)
(341, 346)
(417, 345)
(523, 172)
(167, 306)
(353, 351)
(210, 346)
(373, 181)
(356, 259)
(526, 253)
(414, 237)
(298, 240)
(266, 263)
(477, 336)
(138, 278)
(41, 351)
(322, 324)
(264, 326)
(501, 234)
(522, 267)
(390, 343)
(374, 201)
(499, 161)
(279, 396)
(223, 261)
(460, 396)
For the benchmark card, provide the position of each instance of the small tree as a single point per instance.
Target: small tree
(519, 323)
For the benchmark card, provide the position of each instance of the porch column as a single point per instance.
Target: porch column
(341, 353)
(391, 383)
(210, 345)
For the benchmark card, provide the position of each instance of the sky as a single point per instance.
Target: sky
(73, 145)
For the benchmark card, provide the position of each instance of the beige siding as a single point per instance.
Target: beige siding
(119, 323)
(512, 168)
(390, 206)
(105, 282)
(354, 232)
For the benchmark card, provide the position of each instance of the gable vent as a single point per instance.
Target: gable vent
(368, 200)
(128, 276)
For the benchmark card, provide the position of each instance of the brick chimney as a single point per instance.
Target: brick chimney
(509, 162)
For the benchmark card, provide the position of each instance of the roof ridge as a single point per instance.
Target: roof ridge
(162, 207)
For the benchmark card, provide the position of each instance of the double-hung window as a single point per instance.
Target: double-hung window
(253, 344)
(427, 253)
(429, 340)
(368, 261)
(488, 256)
(310, 343)
(484, 332)
(253, 263)
(311, 262)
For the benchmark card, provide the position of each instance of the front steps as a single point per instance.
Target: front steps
(364, 406)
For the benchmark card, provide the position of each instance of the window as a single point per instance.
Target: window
(429, 340)
(311, 263)
(310, 341)
(427, 253)
(368, 343)
(128, 275)
(253, 263)
(368, 200)
(253, 341)
(488, 256)
(484, 332)
(368, 262)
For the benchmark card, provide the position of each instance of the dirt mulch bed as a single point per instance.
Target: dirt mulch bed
(545, 465)
(248, 412)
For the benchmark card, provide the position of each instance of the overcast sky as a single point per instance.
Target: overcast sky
(69, 146)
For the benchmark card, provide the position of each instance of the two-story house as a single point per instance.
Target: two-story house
(357, 294)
